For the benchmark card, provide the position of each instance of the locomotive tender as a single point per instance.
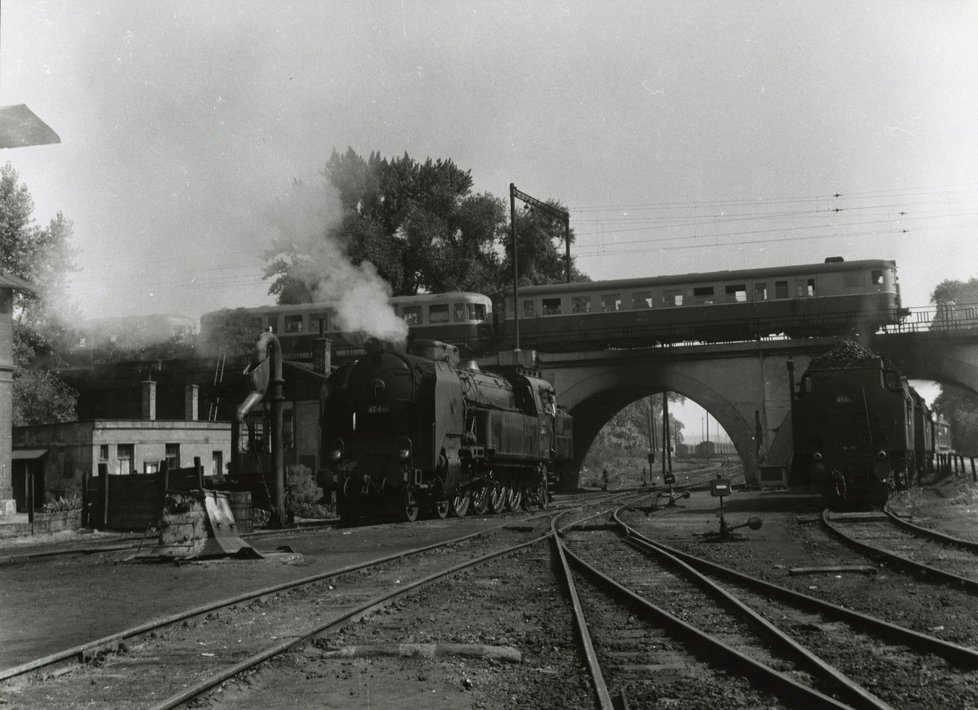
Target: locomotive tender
(405, 432)
(860, 431)
(836, 297)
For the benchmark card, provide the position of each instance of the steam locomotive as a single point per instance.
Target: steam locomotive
(860, 431)
(411, 432)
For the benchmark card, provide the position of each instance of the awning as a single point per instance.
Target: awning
(20, 127)
(27, 454)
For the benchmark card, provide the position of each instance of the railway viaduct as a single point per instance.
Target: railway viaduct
(744, 386)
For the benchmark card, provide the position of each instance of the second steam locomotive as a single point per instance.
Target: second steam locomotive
(411, 432)
(860, 430)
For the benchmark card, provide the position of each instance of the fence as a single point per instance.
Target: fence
(134, 502)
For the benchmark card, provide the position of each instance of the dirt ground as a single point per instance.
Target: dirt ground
(517, 605)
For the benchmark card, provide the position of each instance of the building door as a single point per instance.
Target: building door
(28, 484)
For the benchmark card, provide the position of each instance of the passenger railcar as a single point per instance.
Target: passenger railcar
(832, 298)
(462, 319)
(405, 432)
(860, 431)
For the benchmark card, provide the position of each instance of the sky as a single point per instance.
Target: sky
(682, 136)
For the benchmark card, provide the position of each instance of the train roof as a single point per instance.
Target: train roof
(395, 300)
(709, 277)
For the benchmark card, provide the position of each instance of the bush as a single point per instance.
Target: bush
(62, 504)
(302, 495)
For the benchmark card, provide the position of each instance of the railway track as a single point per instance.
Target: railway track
(816, 654)
(204, 647)
(923, 552)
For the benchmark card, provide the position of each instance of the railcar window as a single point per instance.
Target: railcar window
(760, 292)
(737, 292)
(642, 299)
(780, 289)
(412, 315)
(580, 304)
(318, 323)
(255, 324)
(477, 311)
(611, 302)
(672, 298)
(459, 313)
(438, 313)
(703, 294)
(811, 287)
(877, 277)
(293, 324)
(551, 306)
(529, 308)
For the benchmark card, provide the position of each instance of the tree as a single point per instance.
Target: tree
(43, 319)
(540, 243)
(417, 223)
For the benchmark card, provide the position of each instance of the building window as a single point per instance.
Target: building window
(529, 309)
(610, 302)
(438, 314)
(150, 467)
(217, 463)
(642, 299)
(124, 457)
(551, 306)
(103, 452)
(288, 430)
(172, 456)
(293, 324)
(412, 315)
(580, 304)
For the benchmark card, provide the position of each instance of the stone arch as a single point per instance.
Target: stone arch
(602, 392)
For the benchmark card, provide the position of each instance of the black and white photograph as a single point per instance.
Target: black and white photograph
(484, 355)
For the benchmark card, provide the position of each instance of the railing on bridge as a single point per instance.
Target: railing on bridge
(937, 318)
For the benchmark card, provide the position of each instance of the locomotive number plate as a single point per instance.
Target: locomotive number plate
(378, 409)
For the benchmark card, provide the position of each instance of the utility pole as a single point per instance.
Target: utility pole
(557, 212)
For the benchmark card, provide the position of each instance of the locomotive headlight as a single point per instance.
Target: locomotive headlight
(881, 455)
(404, 454)
(336, 455)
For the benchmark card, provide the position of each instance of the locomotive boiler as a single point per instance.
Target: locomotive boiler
(860, 431)
(411, 432)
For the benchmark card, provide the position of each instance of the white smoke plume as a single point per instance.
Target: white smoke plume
(361, 301)
(356, 293)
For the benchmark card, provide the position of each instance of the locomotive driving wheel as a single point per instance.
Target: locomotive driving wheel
(480, 499)
(497, 498)
(459, 502)
(514, 497)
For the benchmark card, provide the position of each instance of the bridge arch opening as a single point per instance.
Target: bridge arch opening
(624, 435)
